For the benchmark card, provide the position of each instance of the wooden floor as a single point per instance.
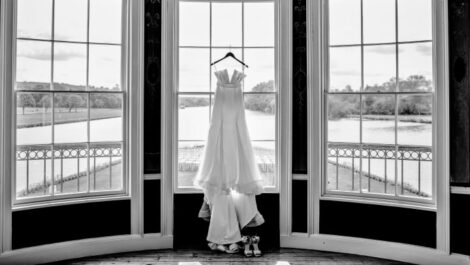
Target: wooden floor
(193, 257)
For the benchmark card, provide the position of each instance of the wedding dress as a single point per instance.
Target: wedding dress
(228, 173)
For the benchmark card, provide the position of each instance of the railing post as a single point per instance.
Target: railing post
(353, 153)
(337, 168)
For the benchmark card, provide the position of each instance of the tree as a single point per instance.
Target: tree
(45, 102)
(74, 101)
(26, 100)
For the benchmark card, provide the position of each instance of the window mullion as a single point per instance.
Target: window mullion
(360, 100)
(53, 101)
(397, 89)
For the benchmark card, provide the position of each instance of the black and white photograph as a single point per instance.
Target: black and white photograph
(229, 132)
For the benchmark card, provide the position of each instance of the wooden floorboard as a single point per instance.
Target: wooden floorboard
(202, 257)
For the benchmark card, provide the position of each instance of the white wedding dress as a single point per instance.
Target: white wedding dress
(228, 173)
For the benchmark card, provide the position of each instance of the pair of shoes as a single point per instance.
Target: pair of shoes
(246, 240)
(254, 242)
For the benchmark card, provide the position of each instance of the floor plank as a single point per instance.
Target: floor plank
(198, 257)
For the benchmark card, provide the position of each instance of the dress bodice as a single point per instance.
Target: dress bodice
(223, 78)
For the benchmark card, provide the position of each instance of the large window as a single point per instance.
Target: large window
(379, 98)
(70, 98)
(207, 31)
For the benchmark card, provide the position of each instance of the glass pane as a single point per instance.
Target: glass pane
(194, 67)
(193, 117)
(259, 24)
(415, 67)
(70, 118)
(379, 21)
(343, 118)
(265, 157)
(260, 73)
(415, 172)
(33, 170)
(194, 23)
(70, 22)
(33, 65)
(345, 21)
(105, 21)
(189, 159)
(378, 119)
(260, 115)
(378, 169)
(33, 118)
(226, 24)
(34, 19)
(414, 20)
(415, 120)
(345, 69)
(229, 63)
(106, 167)
(105, 67)
(106, 117)
(380, 68)
(69, 66)
(70, 168)
(343, 167)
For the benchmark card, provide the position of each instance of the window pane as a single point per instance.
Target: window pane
(415, 171)
(345, 21)
(70, 22)
(34, 19)
(193, 117)
(259, 24)
(106, 117)
(378, 119)
(70, 168)
(265, 157)
(105, 21)
(414, 20)
(229, 63)
(194, 67)
(226, 24)
(260, 74)
(378, 169)
(189, 159)
(343, 167)
(105, 67)
(106, 167)
(194, 24)
(415, 67)
(69, 66)
(379, 21)
(33, 170)
(33, 118)
(343, 118)
(415, 120)
(345, 69)
(33, 65)
(260, 114)
(70, 118)
(380, 68)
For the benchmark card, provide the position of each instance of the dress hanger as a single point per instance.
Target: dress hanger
(230, 54)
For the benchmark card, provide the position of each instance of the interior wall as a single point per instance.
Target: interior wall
(459, 58)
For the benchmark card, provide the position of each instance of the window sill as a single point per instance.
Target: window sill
(381, 201)
(192, 190)
(68, 201)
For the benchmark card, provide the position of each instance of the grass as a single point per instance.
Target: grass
(33, 118)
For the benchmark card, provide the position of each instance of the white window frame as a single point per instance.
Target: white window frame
(132, 82)
(318, 70)
(283, 94)
(437, 128)
(28, 202)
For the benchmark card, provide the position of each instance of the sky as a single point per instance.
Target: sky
(34, 58)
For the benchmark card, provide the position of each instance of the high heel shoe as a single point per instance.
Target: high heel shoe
(246, 240)
(254, 242)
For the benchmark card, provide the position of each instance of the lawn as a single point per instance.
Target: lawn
(33, 118)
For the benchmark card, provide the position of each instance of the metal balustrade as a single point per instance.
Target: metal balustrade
(370, 152)
(60, 152)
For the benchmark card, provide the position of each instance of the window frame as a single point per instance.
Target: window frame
(282, 126)
(319, 71)
(127, 102)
